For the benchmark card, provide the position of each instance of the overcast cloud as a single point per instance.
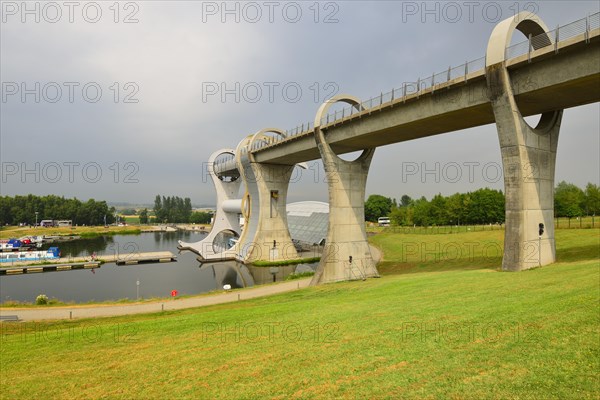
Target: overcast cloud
(155, 123)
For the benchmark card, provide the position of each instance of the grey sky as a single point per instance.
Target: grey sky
(177, 51)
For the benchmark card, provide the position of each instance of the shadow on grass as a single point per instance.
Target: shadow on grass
(439, 264)
(581, 253)
(475, 263)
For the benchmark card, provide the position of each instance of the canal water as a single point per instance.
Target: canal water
(112, 282)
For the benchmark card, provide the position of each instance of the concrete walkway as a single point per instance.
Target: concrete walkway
(73, 312)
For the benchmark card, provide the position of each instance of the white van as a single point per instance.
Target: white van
(383, 221)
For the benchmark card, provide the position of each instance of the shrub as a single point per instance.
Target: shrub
(41, 299)
(301, 275)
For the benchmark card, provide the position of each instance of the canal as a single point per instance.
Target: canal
(112, 282)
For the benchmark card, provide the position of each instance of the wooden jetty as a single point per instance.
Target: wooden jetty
(32, 269)
(64, 264)
(142, 258)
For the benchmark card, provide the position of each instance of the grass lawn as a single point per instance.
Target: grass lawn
(17, 232)
(434, 326)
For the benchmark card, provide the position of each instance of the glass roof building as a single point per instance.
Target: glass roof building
(308, 221)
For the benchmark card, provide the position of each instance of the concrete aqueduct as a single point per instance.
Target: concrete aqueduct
(555, 70)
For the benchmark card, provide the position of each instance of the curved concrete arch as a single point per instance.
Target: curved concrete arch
(525, 22)
(528, 154)
(322, 111)
(347, 254)
(261, 135)
(224, 219)
(528, 24)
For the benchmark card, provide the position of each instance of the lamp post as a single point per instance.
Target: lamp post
(36, 215)
(540, 233)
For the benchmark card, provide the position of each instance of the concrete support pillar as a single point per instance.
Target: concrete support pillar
(528, 156)
(227, 213)
(347, 255)
(266, 236)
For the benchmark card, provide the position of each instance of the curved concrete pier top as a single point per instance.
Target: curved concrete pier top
(320, 137)
(262, 136)
(525, 22)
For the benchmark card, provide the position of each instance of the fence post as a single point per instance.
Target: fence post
(587, 28)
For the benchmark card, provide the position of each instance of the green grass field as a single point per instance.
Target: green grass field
(86, 231)
(434, 326)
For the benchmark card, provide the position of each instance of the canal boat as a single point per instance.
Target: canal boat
(53, 253)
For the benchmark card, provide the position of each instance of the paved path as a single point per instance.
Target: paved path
(53, 313)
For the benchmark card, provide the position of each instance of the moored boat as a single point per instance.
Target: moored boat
(53, 253)
(11, 245)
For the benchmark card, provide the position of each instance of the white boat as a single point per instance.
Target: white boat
(32, 239)
(16, 256)
(11, 245)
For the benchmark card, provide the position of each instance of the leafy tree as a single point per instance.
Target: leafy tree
(172, 209)
(486, 206)
(406, 200)
(456, 207)
(22, 209)
(402, 216)
(421, 213)
(200, 217)
(144, 216)
(438, 212)
(568, 200)
(592, 199)
(158, 210)
(187, 209)
(377, 206)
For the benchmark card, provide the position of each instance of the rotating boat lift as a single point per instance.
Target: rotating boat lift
(265, 235)
(226, 222)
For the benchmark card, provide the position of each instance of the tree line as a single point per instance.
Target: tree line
(174, 209)
(22, 210)
(483, 206)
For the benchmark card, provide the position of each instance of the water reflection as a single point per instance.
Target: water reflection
(264, 275)
(84, 247)
(230, 273)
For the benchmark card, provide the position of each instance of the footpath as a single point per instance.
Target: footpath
(73, 312)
